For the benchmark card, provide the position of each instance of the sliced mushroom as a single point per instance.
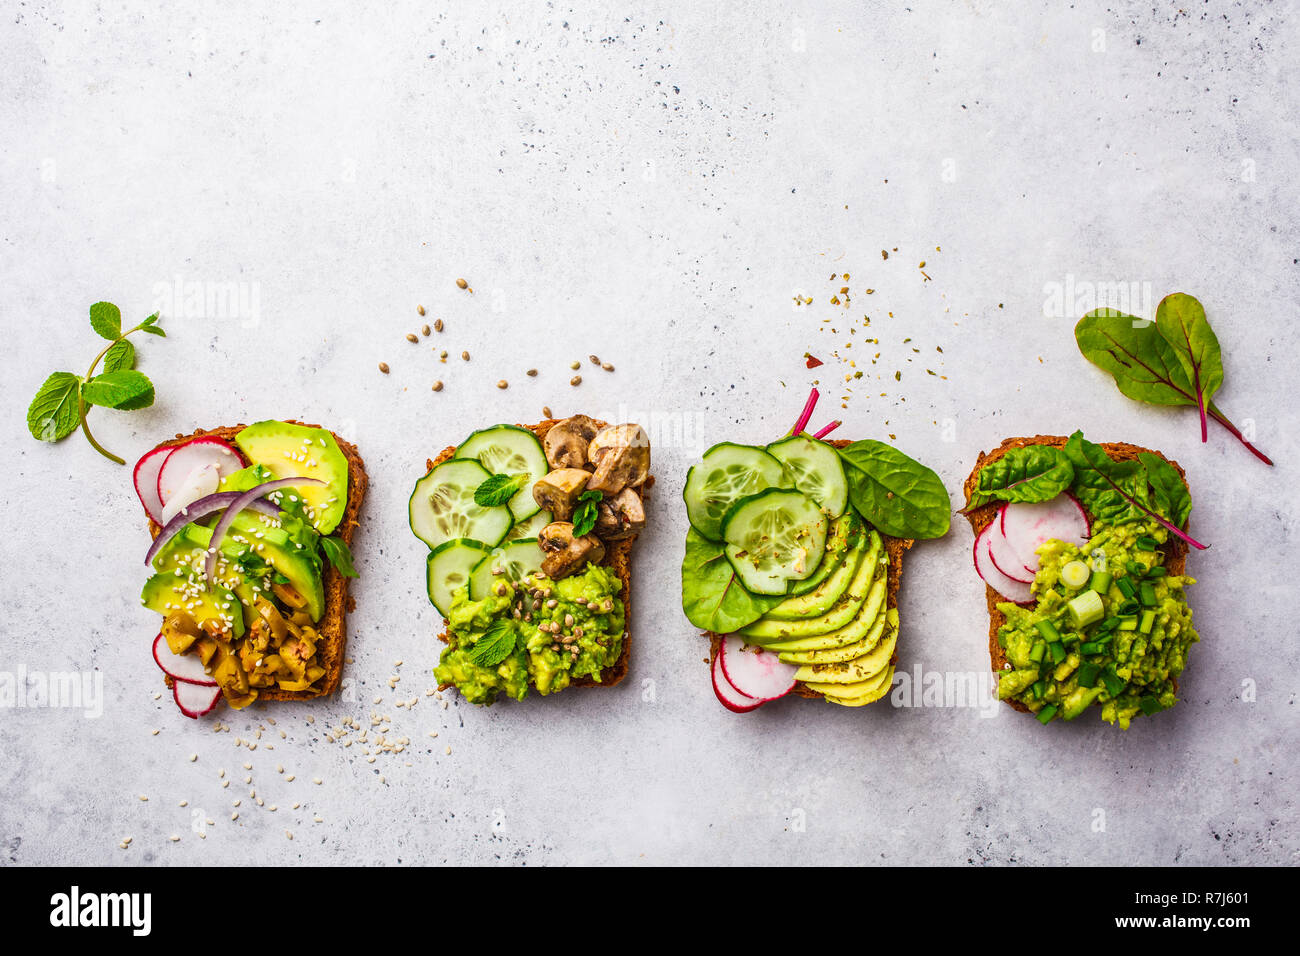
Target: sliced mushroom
(566, 443)
(565, 553)
(620, 516)
(558, 491)
(621, 454)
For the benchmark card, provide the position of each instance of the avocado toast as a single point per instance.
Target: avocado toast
(530, 530)
(264, 614)
(1083, 550)
(794, 561)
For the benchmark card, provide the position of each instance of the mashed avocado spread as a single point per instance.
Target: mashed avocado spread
(1127, 658)
(542, 633)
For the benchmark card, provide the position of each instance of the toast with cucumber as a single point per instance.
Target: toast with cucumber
(1083, 550)
(530, 532)
(794, 560)
(250, 562)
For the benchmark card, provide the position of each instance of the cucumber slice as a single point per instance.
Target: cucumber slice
(512, 562)
(816, 470)
(726, 474)
(442, 506)
(529, 527)
(774, 537)
(449, 567)
(509, 450)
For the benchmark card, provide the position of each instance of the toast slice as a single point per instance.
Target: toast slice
(331, 651)
(618, 558)
(894, 547)
(1175, 549)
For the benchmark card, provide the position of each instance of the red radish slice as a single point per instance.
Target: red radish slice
(185, 459)
(201, 482)
(194, 700)
(186, 667)
(728, 696)
(754, 672)
(1027, 525)
(1004, 557)
(146, 481)
(1009, 588)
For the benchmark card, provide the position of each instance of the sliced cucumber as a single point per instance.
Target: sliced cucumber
(726, 474)
(774, 537)
(529, 527)
(512, 562)
(449, 567)
(442, 506)
(845, 536)
(509, 450)
(816, 470)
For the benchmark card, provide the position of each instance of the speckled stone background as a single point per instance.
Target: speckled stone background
(655, 184)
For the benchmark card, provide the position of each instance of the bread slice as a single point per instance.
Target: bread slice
(894, 547)
(331, 649)
(618, 558)
(1175, 549)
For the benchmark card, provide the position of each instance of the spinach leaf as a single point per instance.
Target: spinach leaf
(1181, 322)
(900, 496)
(1031, 473)
(712, 596)
(337, 553)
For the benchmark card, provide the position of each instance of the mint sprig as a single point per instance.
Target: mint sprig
(63, 401)
(494, 646)
(497, 490)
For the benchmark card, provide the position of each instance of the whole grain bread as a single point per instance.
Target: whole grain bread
(894, 547)
(618, 558)
(1175, 549)
(331, 649)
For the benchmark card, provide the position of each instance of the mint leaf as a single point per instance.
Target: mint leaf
(120, 355)
(497, 490)
(336, 551)
(106, 320)
(151, 320)
(153, 330)
(584, 516)
(53, 413)
(494, 646)
(125, 389)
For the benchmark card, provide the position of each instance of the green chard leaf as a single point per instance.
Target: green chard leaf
(1145, 367)
(712, 595)
(338, 554)
(106, 320)
(120, 355)
(900, 496)
(1031, 473)
(123, 389)
(1181, 321)
(1168, 490)
(494, 646)
(497, 490)
(54, 413)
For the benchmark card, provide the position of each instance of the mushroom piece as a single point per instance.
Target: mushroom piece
(620, 516)
(566, 443)
(565, 553)
(621, 454)
(558, 491)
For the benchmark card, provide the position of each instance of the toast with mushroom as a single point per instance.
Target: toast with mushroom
(560, 573)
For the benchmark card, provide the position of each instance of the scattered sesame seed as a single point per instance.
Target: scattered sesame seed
(420, 309)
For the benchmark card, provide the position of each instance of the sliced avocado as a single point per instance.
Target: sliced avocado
(166, 593)
(1079, 700)
(860, 694)
(180, 552)
(852, 671)
(822, 598)
(844, 611)
(884, 624)
(845, 535)
(293, 451)
(300, 565)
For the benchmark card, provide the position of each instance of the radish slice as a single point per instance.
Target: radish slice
(145, 477)
(728, 696)
(186, 667)
(756, 673)
(1009, 588)
(194, 700)
(201, 482)
(1004, 557)
(1027, 525)
(186, 459)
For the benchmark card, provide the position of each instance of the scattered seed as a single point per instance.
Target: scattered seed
(595, 360)
(437, 386)
(503, 384)
(532, 373)
(437, 325)
(443, 355)
(425, 330)
(383, 367)
(576, 380)
(411, 337)
(462, 284)
(465, 356)
(575, 365)
(607, 367)
(420, 309)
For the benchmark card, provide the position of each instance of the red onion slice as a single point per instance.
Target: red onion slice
(201, 509)
(239, 504)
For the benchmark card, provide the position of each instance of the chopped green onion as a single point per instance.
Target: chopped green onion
(1148, 619)
(1147, 543)
(1128, 608)
(1048, 630)
(1036, 652)
(1100, 581)
(1074, 574)
(1057, 651)
(1090, 647)
(1088, 674)
(1150, 705)
(1125, 585)
(1114, 683)
(1085, 609)
(1047, 713)
(1136, 568)
(1040, 688)
(1105, 627)
(1128, 624)
(1159, 571)
(1149, 595)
